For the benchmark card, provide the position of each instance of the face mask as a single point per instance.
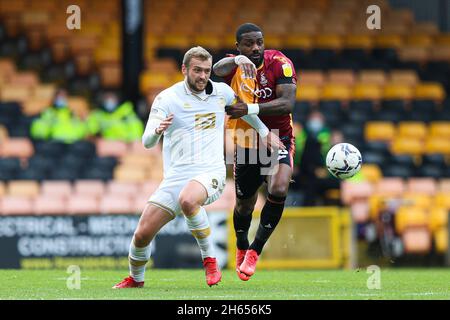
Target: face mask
(315, 125)
(60, 102)
(110, 105)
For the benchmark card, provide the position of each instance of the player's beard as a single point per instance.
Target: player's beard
(194, 85)
(257, 61)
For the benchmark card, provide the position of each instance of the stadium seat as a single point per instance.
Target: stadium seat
(436, 144)
(438, 218)
(109, 148)
(413, 130)
(373, 77)
(20, 188)
(419, 200)
(390, 187)
(116, 204)
(49, 204)
(64, 173)
(82, 204)
(374, 157)
(9, 168)
(122, 188)
(371, 172)
(442, 199)
(352, 191)
(416, 240)
(94, 188)
(336, 92)
(406, 217)
(14, 205)
(405, 160)
(430, 170)
(131, 173)
(444, 185)
(421, 185)
(308, 93)
(50, 149)
(366, 91)
(402, 145)
(431, 91)
(57, 189)
(440, 129)
(17, 147)
(379, 131)
(408, 77)
(83, 149)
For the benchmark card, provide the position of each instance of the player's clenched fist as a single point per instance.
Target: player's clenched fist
(164, 124)
(237, 110)
(247, 66)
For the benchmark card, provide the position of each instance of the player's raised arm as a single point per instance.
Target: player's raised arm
(225, 66)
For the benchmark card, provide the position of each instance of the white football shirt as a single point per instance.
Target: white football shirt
(194, 143)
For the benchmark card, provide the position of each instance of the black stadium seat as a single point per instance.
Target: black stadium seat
(397, 170)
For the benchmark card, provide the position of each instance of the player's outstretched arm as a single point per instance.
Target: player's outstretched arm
(279, 106)
(225, 66)
(154, 129)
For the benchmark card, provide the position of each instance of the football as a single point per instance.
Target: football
(343, 160)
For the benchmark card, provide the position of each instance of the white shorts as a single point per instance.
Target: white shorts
(167, 195)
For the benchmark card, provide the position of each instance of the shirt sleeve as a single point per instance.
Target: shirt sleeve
(158, 112)
(284, 70)
(230, 95)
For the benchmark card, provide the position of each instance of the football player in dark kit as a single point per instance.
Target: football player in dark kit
(266, 84)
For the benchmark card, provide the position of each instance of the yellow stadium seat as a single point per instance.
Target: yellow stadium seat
(379, 130)
(79, 106)
(209, 42)
(298, 41)
(44, 91)
(273, 41)
(432, 91)
(2, 189)
(305, 29)
(364, 91)
(438, 218)
(410, 217)
(440, 129)
(371, 172)
(308, 92)
(419, 200)
(410, 129)
(443, 39)
(4, 135)
(402, 145)
(154, 80)
(437, 144)
(336, 92)
(358, 41)
(376, 77)
(388, 41)
(408, 77)
(176, 41)
(376, 204)
(23, 188)
(17, 147)
(441, 240)
(442, 200)
(419, 40)
(35, 106)
(328, 41)
(397, 91)
(424, 28)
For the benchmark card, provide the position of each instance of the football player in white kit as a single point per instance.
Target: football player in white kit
(191, 116)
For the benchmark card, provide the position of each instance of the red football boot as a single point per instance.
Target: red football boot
(249, 265)
(128, 282)
(213, 275)
(240, 255)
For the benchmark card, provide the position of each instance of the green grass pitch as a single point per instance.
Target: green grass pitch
(396, 284)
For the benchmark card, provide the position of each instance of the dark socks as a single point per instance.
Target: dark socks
(270, 216)
(241, 225)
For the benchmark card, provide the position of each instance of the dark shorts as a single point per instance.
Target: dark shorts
(252, 166)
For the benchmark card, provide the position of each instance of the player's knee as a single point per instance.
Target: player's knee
(140, 239)
(188, 205)
(279, 190)
(245, 208)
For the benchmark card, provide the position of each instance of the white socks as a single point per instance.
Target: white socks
(137, 259)
(198, 224)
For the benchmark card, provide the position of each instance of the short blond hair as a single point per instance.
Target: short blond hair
(196, 52)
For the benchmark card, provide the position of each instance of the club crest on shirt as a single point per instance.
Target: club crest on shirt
(263, 79)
